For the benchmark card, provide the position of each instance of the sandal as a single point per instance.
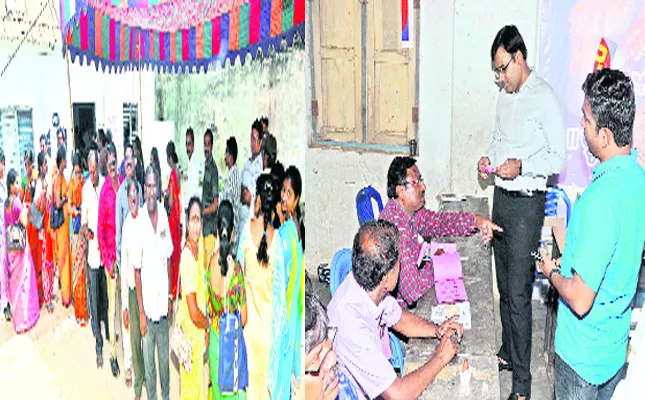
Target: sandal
(503, 365)
(128, 378)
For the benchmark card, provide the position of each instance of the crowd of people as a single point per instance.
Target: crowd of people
(111, 235)
(347, 343)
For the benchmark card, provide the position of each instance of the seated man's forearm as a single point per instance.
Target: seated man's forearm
(414, 326)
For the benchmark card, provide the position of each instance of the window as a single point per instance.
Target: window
(365, 91)
(130, 121)
(16, 136)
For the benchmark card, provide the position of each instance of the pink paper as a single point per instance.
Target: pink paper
(448, 274)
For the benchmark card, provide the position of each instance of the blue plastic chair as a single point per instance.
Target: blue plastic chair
(364, 206)
(553, 196)
(341, 266)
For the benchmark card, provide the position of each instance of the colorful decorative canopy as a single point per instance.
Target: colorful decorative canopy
(176, 35)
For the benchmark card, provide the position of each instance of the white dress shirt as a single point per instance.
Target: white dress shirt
(192, 183)
(90, 216)
(156, 250)
(529, 126)
(131, 253)
(255, 168)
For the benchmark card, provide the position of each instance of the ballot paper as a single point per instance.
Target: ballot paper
(442, 312)
(448, 275)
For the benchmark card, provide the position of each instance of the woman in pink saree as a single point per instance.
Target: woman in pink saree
(23, 290)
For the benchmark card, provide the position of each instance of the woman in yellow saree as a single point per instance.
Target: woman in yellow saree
(63, 250)
(192, 305)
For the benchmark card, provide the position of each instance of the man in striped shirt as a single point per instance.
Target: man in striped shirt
(233, 186)
(416, 224)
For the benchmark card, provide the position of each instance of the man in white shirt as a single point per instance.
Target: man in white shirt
(243, 210)
(192, 183)
(529, 145)
(154, 298)
(233, 186)
(98, 284)
(255, 164)
(130, 259)
(122, 212)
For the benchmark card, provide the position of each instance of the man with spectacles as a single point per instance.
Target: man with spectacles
(528, 146)
(406, 209)
(123, 207)
(255, 163)
(363, 309)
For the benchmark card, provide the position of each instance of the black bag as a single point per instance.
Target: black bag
(57, 215)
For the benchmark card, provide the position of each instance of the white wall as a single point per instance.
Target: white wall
(40, 81)
(456, 107)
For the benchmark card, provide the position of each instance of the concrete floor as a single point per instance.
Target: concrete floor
(540, 387)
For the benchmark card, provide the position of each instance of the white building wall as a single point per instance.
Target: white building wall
(37, 78)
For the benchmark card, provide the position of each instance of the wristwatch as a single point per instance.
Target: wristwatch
(556, 270)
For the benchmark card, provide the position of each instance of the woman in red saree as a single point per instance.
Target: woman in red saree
(79, 244)
(29, 191)
(42, 201)
(174, 215)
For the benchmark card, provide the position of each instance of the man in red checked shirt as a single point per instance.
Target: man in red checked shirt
(406, 209)
(106, 236)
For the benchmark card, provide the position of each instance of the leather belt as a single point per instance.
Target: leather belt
(157, 322)
(522, 192)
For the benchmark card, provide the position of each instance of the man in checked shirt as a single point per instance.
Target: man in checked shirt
(406, 209)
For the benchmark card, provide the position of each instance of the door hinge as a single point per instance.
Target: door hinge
(314, 108)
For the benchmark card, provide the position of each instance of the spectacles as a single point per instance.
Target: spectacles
(414, 182)
(502, 70)
(331, 335)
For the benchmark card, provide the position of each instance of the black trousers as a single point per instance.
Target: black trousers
(522, 219)
(98, 306)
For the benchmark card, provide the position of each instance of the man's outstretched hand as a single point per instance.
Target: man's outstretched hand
(486, 227)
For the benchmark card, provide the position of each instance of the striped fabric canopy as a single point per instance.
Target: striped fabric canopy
(176, 35)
